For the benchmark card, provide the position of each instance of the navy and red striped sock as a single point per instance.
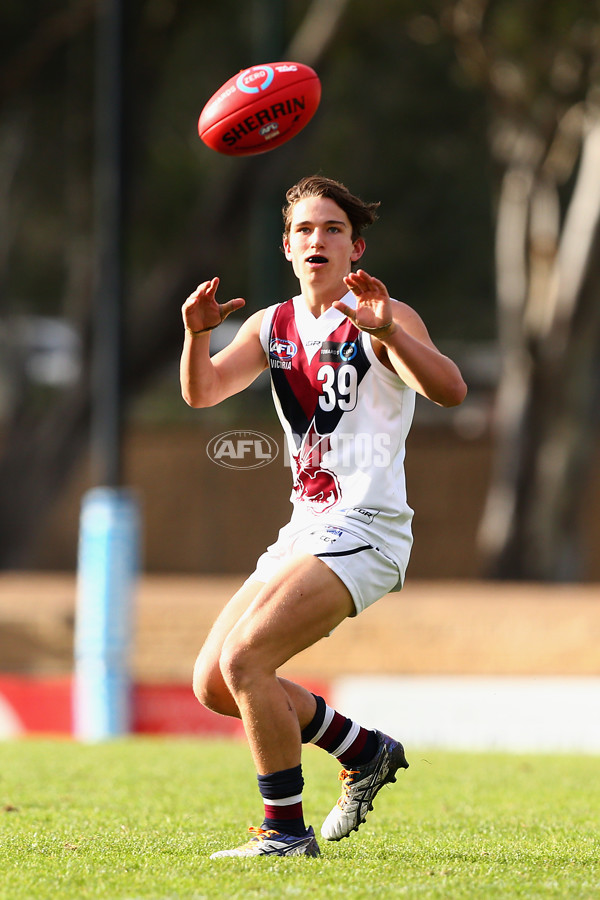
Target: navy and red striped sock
(282, 796)
(350, 743)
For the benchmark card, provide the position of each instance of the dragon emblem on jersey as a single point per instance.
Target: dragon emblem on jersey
(313, 483)
(311, 402)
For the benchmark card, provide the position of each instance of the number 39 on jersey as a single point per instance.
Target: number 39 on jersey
(339, 387)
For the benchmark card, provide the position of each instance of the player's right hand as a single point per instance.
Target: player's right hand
(201, 312)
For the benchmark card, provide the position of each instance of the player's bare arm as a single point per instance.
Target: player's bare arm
(402, 341)
(206, 380)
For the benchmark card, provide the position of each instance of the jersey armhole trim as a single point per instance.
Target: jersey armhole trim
(382, 371)
(265, 327)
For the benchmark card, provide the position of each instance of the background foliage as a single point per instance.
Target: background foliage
(474, 122)
(398, 122)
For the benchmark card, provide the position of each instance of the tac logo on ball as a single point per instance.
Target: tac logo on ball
(260, 108)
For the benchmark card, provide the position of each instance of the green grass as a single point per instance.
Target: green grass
(138, 819)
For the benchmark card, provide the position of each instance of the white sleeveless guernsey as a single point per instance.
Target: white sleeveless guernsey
(346, 418)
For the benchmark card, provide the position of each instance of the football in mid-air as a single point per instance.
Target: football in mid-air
(260, 108)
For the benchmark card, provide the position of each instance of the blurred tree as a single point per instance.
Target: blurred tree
(399, 121)
(539, 63)
(184, 227)
(189, 209)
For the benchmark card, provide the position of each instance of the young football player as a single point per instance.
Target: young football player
(345, 362)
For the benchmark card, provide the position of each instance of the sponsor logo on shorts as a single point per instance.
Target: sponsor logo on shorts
(362, 514)
(242, 449)
(331, 534)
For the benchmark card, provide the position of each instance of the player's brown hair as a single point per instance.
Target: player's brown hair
(360, 213)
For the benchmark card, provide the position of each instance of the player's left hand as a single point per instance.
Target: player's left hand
(373, 304)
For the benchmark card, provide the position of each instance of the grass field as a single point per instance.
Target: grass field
(138, 819)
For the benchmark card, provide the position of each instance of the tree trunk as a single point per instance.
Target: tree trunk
(549, 305)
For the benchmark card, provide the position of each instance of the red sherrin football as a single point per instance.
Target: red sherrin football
(260, 108)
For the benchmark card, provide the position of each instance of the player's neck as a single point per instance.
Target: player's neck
(318, 300)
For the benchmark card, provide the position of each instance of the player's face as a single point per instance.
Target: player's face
(320, 245)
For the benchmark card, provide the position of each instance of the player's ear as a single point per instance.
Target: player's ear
(286, 249)
(358, 248)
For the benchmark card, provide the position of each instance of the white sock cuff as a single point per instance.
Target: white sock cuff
(348, 740)
(329, 714)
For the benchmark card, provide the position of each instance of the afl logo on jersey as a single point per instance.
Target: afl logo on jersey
(282, 349)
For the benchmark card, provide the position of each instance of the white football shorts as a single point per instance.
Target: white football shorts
(367, 571)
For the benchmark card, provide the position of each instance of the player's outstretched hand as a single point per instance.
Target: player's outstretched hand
(201, 312)
(373, 311)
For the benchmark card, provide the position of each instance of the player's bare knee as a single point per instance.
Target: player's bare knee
(209, 688)
(236, 666)
(200, 683)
